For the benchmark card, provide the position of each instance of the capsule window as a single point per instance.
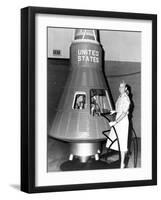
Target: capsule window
(79, 102)
(99, 102)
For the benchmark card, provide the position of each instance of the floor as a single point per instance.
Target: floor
(58, 155)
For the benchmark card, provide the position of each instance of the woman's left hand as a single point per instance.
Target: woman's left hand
(112, 112)
(112, 123)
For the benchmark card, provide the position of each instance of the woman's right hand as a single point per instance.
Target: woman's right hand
(112, 112)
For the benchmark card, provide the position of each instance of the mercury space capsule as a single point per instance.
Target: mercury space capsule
(84, 99)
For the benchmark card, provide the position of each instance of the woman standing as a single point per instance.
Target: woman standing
(121, 123)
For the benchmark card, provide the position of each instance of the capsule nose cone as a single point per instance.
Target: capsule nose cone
(84, 34)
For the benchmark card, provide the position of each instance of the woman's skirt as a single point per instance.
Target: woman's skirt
(122, 129)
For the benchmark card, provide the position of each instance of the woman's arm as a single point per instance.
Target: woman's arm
(121, 117)
(125, 107)
(118, 119)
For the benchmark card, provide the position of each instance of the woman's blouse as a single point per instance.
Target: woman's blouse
(122, 104)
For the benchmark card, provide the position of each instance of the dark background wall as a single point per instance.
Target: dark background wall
(115, 71)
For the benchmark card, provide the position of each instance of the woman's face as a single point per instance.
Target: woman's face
(122, 88)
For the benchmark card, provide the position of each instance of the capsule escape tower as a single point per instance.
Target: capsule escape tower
(85, 97)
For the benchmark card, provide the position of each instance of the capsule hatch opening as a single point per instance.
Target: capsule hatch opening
(79, 101)
(99, 102)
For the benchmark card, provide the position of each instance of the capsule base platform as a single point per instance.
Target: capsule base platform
(91, 164)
